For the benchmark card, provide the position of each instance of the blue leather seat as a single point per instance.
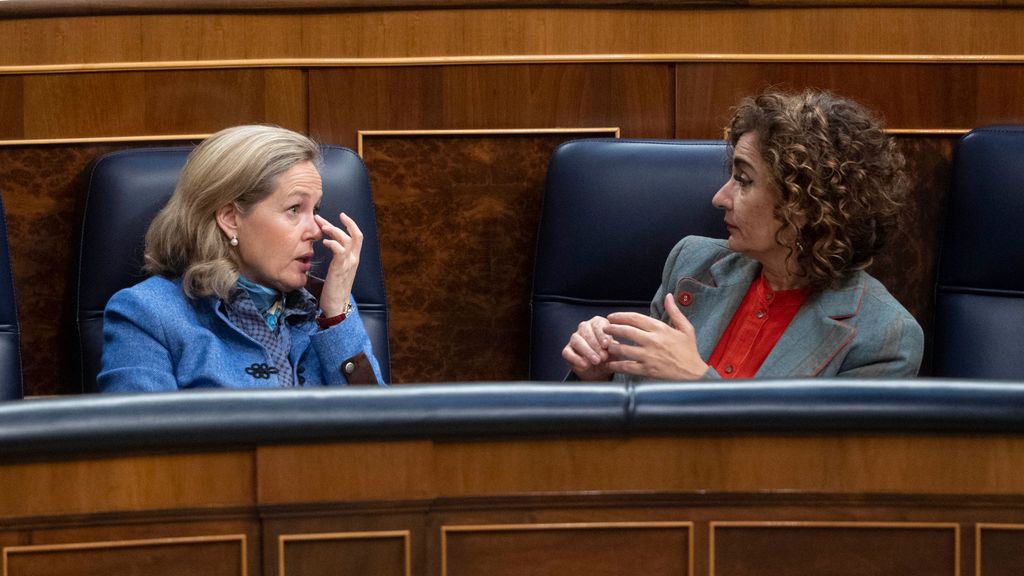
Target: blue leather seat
(612, 211)
(10, 347)
(125, 190)
(979, 300)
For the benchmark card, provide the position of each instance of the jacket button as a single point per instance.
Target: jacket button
(729, 369)
(685, 298)
(349, 368)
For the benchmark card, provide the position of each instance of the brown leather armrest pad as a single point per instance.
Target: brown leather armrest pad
(358, 370)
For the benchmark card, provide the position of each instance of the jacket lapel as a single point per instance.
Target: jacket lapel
(818, 333)
(714, 298)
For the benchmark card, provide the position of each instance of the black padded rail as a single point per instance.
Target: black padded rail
(831, 405)
(192, 420)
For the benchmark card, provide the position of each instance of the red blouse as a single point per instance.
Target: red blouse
(758, 324)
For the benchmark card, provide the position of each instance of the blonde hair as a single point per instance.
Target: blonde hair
(238, 166)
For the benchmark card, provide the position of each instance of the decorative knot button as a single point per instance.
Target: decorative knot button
(260, 371)
(349, 367)
(685, 298)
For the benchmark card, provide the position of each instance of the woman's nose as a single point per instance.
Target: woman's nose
(721, 199)
(313, 232)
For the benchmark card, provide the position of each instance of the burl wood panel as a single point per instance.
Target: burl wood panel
(637, 98)
(345, 557)
(908, 96)
(1000, 550)
(907, 265)
(544, 550)
(41, 200)
(209, 556)
(458, 220)
(115, 104)
(834, 550)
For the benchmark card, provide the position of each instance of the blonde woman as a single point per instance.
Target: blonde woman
(227, 305)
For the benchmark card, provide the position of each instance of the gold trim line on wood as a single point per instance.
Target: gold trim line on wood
(510, 59)
(977, 539)
(405, 535)
(103, 139)
(838, 524)
(614, 131)
(445, 529)
(826, 524)
(241, 538)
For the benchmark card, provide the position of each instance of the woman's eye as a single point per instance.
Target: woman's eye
(741, 179)
(293, 209)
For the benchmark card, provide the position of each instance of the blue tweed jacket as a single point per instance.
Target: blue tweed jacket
(157, 339)
(856, 329)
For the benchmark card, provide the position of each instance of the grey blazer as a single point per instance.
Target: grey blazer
(857, 329)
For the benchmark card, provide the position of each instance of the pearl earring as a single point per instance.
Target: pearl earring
(234, 240)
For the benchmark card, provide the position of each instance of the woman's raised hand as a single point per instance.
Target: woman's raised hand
(345, 247)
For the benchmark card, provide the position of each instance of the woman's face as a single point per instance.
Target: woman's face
(275, 238)
(748, 198)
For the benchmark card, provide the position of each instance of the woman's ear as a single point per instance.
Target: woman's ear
(227, 220)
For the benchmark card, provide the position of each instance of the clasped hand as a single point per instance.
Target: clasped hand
(598, 348)
(345, 248)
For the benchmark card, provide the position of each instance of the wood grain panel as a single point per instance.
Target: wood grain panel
(11, 100)
(828, 463)
(839, 549)
(341, 554)
(127, 483)
(507, 31)
(158, 102)
(635, 97)
(197, 555)
(327, 474)
(458, 218)
(707, 91)
(999, 549)
(53, 8)
(606, 550)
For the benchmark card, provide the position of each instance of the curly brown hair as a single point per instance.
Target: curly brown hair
(840, 178)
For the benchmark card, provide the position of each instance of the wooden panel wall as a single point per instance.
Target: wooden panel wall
(100, 83)
(688, 505)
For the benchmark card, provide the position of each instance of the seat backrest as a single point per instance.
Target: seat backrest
(10, 339)
(612, 211)
(979, 298)
(124, 192)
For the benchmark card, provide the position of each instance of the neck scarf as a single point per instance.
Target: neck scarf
(268, 301)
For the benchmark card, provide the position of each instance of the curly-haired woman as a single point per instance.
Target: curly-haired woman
(815, 191)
